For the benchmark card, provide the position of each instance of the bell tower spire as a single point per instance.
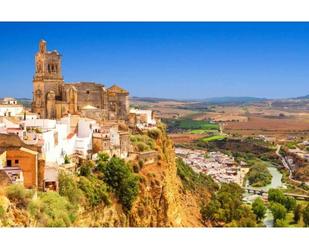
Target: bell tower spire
(47, 81)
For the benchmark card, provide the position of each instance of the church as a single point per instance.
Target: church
(53, 98)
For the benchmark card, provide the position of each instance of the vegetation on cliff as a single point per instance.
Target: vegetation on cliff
(192, 180)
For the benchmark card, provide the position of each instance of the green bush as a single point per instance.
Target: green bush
(154, 133)
(68, 187)
(306, 215)
(102, 157)
(142, 143)
(19, 195)
(122, 181)
(192, 180)
(66, 159)
(95, 190)
(52, 210)
(136, 168)
(86, 168)
(2, 212)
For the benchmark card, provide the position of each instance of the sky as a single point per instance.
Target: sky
(167, 60)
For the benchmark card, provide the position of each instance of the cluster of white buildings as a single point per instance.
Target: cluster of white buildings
(142, 119)
(221, 167)
(9, 107)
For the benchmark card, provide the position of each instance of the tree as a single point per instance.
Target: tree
(276, 195)
(278, 211)
(290, 203)
(209, 211)
(226, 207)
(281, 223)
(306, 216)
(66, 159)
(297, 213)
(102, 157)
(86, 168)
(121, 179)
(259, 209)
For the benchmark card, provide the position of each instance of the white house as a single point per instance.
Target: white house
(145, 119)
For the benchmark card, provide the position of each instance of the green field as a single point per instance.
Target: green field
(213, 138)
(202, 131)
(190, 124)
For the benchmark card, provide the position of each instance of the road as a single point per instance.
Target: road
(286, 165)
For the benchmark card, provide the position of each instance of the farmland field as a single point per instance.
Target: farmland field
(213, 138)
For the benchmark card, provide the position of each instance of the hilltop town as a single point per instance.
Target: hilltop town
(82, 154)
(68, 123)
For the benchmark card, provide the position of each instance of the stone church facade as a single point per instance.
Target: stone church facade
(53, 98)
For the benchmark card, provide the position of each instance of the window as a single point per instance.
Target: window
(87, 91)
(16, 161)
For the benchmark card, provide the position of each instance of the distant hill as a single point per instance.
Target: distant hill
(154, 100)
(303, 97)
(232, 100)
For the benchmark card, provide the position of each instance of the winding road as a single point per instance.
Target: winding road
(287, 166)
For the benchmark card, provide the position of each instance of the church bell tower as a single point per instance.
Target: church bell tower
(47, 81)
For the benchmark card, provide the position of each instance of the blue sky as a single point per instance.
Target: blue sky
(170, 60)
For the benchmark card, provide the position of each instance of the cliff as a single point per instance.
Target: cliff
(163, 200)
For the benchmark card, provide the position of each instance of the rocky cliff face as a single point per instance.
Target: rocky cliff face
(162, 201)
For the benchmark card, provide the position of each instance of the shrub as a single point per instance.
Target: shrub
(2, 212)
(66, 159)
(136, 168)
(52, 210)
(154, 133)
(142, 143)
(95, 190)
(280, 223)
(141, 146)
(192, 180)
(86, 168)
(19, 195)
(68, 187)
(140, 163)
(102, 157)
(122, 181)
(306, 215)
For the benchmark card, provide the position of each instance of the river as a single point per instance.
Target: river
(276, 182)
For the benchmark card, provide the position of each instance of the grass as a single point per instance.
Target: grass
(190, 124)
(202, 131)
(213, 138)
